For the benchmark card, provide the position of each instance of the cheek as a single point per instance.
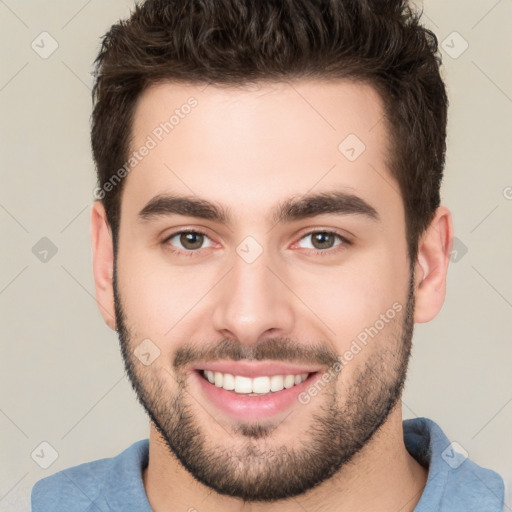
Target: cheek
(352, 297)
(157, 297)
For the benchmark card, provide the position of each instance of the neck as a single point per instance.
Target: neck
(382, 476)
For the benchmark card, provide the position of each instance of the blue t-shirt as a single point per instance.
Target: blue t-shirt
(115, 484)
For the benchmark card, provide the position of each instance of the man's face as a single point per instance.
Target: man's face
(270, 288)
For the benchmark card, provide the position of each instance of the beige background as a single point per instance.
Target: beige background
(61, 374)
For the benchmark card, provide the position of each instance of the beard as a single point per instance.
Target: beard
(251, 468)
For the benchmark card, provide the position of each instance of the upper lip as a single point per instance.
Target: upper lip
(256, 369)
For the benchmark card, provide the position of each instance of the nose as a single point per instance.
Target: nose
(254, 302)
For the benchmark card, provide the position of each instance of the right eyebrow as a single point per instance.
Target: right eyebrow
(163, 205)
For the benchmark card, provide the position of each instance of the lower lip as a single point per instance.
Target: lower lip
(246, 408)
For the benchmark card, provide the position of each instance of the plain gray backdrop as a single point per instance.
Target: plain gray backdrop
(62, 376)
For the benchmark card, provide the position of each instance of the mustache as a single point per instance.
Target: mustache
(277, 349)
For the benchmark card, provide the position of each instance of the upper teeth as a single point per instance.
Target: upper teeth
(246, 385)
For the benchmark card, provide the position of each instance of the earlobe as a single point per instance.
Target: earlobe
(431, 267)
(103, 263)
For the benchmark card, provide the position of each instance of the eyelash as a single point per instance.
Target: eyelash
(316, 252)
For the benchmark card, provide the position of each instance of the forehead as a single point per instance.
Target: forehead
(257, 145)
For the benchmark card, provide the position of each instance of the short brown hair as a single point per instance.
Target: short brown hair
(235, 42)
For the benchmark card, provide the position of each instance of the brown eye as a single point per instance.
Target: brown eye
(191, 240)
(187, 240)
(322, 240)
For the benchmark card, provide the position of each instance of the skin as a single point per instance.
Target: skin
(248, 149)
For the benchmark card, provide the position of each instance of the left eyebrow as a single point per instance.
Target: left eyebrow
(293, 209)
(336, 202)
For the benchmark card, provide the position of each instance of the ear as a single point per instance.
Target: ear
(103, 263)
(434, 249)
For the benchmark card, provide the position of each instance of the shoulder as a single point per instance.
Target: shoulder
(455, 483)
(86, 486)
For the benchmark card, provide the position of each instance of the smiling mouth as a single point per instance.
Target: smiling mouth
(257, 386)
